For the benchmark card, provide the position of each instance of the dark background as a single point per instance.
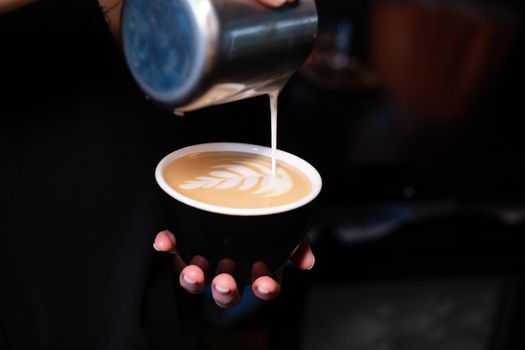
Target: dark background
(412, 111)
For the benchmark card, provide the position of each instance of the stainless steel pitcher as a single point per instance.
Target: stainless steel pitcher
(190, 54)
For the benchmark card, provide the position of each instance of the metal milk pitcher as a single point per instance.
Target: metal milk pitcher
(190, 54)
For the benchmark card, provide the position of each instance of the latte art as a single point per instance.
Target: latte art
(236, 179)
(254, 176)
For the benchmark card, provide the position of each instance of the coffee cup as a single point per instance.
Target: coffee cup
(208, 218)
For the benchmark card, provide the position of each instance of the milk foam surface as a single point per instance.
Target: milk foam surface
(236, 179)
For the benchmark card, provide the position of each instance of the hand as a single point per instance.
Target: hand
(224, 287)
(275, 3)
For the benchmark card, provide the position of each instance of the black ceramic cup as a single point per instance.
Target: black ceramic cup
(244, 235)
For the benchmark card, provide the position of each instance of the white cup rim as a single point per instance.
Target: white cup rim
(286, 157)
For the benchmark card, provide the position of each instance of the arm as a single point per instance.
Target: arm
(10, 5)
(112, 10)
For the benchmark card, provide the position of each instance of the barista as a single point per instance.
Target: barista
(78, 143)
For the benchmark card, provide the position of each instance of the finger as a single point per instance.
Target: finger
(303, 257)
(273, 3)
(225, 266)
(224, 287)
(266, 288)
(224, 290)
(193, 277)
(263, 286)
(165, 242)
(259, 269)
(201, 262)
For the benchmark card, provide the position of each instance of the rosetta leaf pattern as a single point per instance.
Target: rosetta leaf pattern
(223, 179)
(243, 175)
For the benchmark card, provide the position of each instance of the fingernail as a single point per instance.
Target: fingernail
(313, 263)
(263, 290)
(222, 290)
(155, 247)
(188, 279)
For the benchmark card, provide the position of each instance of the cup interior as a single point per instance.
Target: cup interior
(307, 169)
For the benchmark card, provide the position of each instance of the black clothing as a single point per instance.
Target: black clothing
(78, 148)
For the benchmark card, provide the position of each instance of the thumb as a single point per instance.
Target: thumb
(165, 242)
(303, 257)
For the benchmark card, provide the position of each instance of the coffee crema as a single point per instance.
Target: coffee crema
(236, 180)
